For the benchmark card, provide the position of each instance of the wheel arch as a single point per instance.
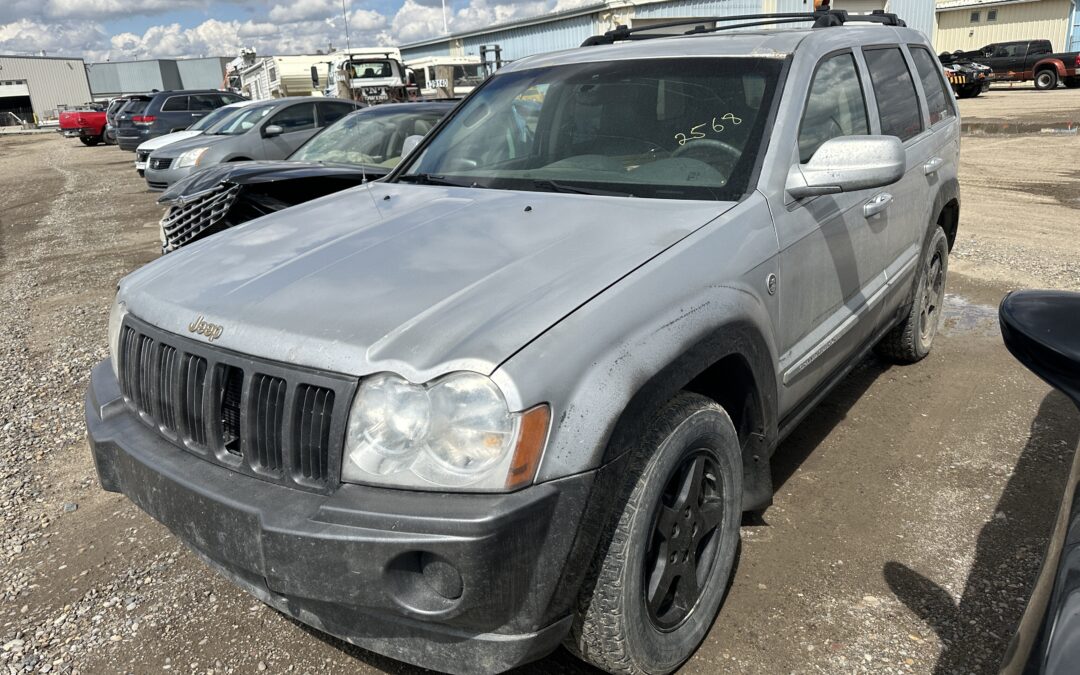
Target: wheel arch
(732, 366)
(1049, 64)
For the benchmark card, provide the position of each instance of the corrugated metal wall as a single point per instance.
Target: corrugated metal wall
(204, 73)
(1047, 19)
(917, 14)
(1072, 44)
(133, 77)
(52, 82)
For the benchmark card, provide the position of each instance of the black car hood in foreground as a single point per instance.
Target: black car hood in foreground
(251, 173)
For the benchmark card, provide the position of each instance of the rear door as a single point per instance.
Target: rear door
(175, 114)
(901, 113)
(297, 123)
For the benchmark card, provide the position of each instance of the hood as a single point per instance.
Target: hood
(179, 147)
(415, 279)
(167, 139)
(250, 173)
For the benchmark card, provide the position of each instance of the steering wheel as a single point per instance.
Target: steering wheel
(704, 149)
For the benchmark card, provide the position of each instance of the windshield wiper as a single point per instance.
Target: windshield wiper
(555, 186)
(430, 179)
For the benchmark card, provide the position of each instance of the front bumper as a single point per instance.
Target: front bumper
(161, 179)
(458, 582)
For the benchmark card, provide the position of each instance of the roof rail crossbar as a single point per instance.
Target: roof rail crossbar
(821, 19)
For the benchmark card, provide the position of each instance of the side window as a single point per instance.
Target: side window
(938, 101)
(175, 104)
(894, 91)
(332, 112)
(835, 107)
(295, 118)
(1039, 47)
(204, 102)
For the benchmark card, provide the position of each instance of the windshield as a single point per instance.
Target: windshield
(686, 128)
(218, 115)
(373, 138)
(370, 69)
(135, 106)
(241, 121)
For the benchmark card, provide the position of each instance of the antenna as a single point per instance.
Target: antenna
(348, 44)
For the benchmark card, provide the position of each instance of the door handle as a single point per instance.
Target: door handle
(876, 204)
(931, 167)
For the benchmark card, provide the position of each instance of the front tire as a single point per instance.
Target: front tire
(1046, 79)
(911, 340)
(652, 594)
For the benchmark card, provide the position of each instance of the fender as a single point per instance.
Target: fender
(1056, 63)
(607, 365)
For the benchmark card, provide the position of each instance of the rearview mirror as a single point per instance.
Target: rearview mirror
(1042, 330)
(315, 76)
(847, 164)
(272, 130)
(410, 143)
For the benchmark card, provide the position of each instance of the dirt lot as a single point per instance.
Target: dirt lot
(910, 511)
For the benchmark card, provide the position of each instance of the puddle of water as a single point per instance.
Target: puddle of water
(1066, 128)
(960, 316)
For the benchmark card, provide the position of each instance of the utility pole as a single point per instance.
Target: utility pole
(445, 26)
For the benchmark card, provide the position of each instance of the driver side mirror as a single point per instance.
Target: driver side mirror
(272, 130)
(847, 164)
(409, 144)
(315, 77)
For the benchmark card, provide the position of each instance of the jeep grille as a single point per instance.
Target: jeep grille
(271, 421)
(185, 222)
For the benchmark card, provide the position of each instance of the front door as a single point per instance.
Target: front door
(831, 250)
(297, 123)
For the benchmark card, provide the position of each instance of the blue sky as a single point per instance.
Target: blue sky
(100, 30)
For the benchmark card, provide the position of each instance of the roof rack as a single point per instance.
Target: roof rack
(825, 18)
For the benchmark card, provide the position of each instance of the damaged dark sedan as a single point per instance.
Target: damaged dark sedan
(360, 147)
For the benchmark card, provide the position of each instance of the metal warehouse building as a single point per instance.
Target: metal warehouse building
(567, 29)
(139, 77)
(971, 24)
(35, 86)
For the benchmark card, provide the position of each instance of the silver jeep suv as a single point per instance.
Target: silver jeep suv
(519, 393)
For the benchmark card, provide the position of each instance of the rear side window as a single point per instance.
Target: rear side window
(937, 99)
(835, 107)
(175, 104)
(205, 102)
(296, 118)
(894, 91)
(332, 112)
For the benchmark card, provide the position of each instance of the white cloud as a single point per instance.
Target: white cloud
(288, 27)
(32, 37)
(102, 9)
(304, 10)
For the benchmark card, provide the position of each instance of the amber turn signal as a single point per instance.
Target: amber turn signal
(530, 446)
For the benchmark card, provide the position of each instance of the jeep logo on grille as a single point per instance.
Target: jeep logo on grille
(201, 326)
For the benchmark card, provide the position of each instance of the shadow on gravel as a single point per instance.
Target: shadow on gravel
(831, 411)
(1008, 553)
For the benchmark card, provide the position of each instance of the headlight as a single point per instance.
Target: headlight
(116, 319)
(453, 432)
(189, 158)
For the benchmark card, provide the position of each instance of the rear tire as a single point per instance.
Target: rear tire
(652, 593)
(1045, 79)
(90, 140)
(911, 340)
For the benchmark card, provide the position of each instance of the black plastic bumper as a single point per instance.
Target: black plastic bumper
(457, 582)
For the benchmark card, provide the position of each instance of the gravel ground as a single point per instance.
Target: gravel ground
(910, 511)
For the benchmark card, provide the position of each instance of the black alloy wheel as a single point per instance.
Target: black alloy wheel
(680, 552)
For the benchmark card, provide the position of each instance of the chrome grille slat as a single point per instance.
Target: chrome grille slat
(184, 222)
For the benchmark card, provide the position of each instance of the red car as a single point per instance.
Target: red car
(88, 124)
